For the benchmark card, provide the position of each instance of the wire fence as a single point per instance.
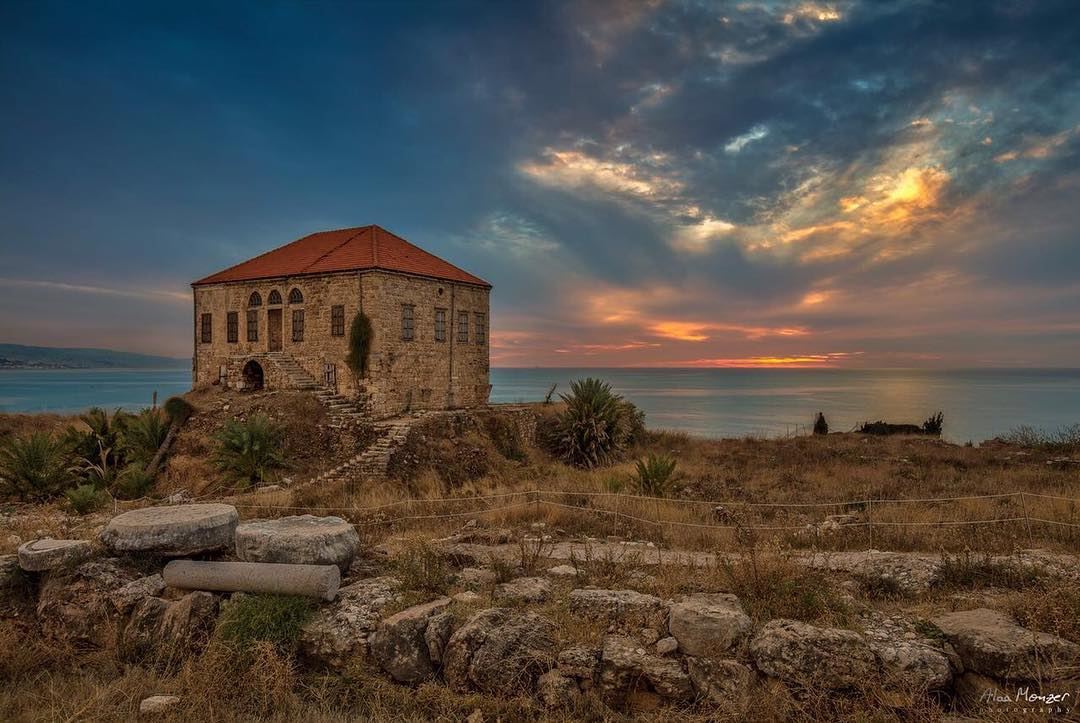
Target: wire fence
(1013, 518)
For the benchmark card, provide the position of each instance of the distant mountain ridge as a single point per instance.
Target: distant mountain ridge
(18, 356)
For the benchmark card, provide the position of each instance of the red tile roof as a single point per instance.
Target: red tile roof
(347, 249)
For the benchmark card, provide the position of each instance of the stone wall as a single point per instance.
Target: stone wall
(404, 374)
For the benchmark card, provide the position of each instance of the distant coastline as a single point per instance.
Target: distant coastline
(24, 357)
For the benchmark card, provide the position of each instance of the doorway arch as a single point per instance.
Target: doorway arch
(253, 376)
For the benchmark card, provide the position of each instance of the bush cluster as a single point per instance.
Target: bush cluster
(249, 451)
(108, 452)
(596, 427)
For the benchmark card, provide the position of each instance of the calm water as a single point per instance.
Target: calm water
(978, 404)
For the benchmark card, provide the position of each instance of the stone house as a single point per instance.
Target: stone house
(282, 320)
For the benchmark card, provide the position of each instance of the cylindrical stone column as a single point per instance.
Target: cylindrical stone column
(319, 581)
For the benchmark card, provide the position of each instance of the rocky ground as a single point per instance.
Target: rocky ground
(570, 627)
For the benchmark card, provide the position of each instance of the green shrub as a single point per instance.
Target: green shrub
(143, 435)
(247, 620)
(820, 425)
(133, 483)
(99, 471)
(360, 337)
(34, 466)
(178, 409)
(85, 498)
(774, 586)
(655, 474)
(249, 451)
(596, 426)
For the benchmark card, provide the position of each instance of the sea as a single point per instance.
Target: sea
(978, 404)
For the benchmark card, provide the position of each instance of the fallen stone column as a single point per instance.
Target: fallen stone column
(319, 581)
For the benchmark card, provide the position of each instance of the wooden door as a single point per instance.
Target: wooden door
(274, 335)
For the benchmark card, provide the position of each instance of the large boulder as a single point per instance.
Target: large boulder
(303, 540)
(992, 643)
(338, 631)
(523, 590)
(624, 609)
(172, 531)
(500, 651)
(803, 654)
(399, 643)
(47, 554)
(162, 633)
(708, 625)
(76, 605)
(721, 682)
(628, 670)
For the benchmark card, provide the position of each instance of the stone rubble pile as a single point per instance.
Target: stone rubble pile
(649, 651)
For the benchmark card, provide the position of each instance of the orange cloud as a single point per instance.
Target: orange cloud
(698, 331)
(574, 169)
(800, 360)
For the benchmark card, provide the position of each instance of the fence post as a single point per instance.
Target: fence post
(870, 520)
(615, 519)
(1027, 520)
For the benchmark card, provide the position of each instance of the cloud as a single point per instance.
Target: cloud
(152, 295)
(737, 143)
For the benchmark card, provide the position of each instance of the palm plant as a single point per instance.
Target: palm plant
(249, 451)
(104, 431)
(655, 474)
(143, 435)
(34, 466)
(596, 426)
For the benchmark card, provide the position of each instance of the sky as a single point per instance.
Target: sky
(660, 183)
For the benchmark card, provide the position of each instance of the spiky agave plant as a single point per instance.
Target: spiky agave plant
(655, 474)
(593, 429)
(34, 466)
(249, 451)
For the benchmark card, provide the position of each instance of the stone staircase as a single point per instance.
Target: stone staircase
(343, 411)
(372, 463)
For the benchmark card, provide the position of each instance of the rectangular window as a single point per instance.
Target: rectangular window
(232, 327)
(463, 327)
(408, 322)
(298, 325)
(337, 321)
(207, 328)
(440, 325)
(253, 325)
(481, 328)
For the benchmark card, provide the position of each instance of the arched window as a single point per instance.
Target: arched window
(295, 297)
(274, 297)
(254, 299)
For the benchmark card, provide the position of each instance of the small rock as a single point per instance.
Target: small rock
(579, 662)
(666, 646)
(523, 590)
(467, 598)
(556, 690)
(126, 597)
(624, 668)
(719, 681)
(563, 571)
(437, 634)
(158, 704)
(475, 577)
(477, 716)
(76, 606)
(47, 554)
(10, 572)
(708, 624)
